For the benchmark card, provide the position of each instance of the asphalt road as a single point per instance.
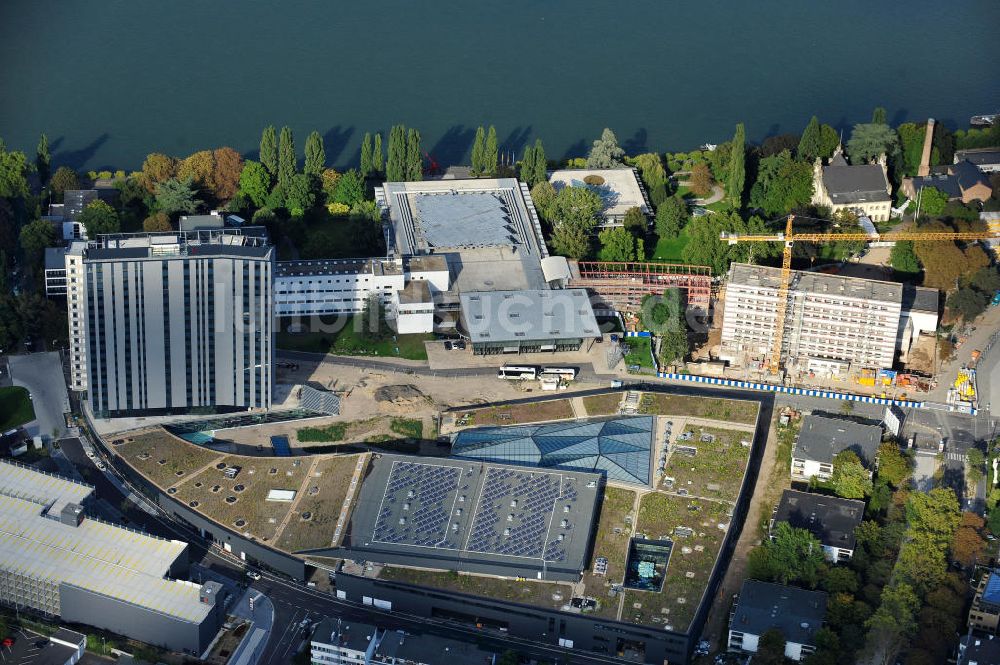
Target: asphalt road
(42, 375)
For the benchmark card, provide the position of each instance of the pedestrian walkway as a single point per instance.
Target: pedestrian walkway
(955, 457)
(261, 619)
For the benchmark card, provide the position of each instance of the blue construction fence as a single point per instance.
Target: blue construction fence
(805, 392)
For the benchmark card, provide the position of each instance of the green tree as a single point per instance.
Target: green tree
(377, 159)
(541, 165)
(478, 151)
(790, 556)
(99, 218)
(527, 170)
(635, 221)
(157, 168)
(736, 178)
(934, 513)
(782, 184)
(570, 240)
(350, 188)
(13, 173)
(810, 145)
(706, 248)
(491, 153)
(395, 167)
(893, 466)
(366, 155)
(932, 201)
(64, 178)
(315, 155)
(770, 648)
(299, 194)
(286, 156)
(671, 217)
(414, 158)
(35, 237)
(508, 658)
(879, 116)
(840, 579)
(158, 221)
(701, 179)
(576, 206)
(605, 153)
(893, 623)
(43, 160)
(255, 182)
(543, 194)
(911, 139)
(269, 152)
(829, 140)
(870, 141)
(617, 245)
(850, 478)
(177, 196)
(903, 259)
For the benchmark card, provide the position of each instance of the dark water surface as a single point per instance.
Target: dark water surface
(111, 80)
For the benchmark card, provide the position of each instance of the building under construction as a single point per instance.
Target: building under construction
(621, 287)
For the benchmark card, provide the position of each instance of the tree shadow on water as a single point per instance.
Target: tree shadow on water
(578, 149)
(75, 159)
(453, 146)
(335, 140)
(637, 143)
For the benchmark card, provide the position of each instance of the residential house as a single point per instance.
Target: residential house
(822, 438)
(796, 613)
(961, 181)
(986, 160)
(831, 519)
(860, 188)
(978, 650)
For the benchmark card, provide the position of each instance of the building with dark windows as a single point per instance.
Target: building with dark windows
(796, 613)
(164, 323)
(831, 519)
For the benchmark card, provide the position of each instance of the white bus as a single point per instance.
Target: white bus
(568, 373)
(518, 372)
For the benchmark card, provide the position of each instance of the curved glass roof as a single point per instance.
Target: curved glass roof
(618, 448)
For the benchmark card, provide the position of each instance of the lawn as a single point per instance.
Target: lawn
(640, 352)
(611, 542)
(691, 561)
(323, 501)
(529, 592)
(15, 407)
(164, 458)
(716, 470)
(408, 428)
(670, 250)
(334, 432)
(514, 414)
(351, 342)
(603, 405)
(730, 410)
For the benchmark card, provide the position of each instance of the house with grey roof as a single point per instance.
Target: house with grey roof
(986, 160)
(796, 613)
(962, 181)
(830, 519)
(860, 188)
(822, 438)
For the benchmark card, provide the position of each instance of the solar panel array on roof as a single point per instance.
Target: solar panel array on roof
(620, 448)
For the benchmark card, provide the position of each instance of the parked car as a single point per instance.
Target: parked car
(448, 346)
(253, 574)
(460, 345)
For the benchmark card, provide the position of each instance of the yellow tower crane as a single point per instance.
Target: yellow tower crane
(789, 237)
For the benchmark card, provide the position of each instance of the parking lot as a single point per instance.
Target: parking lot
(42, 375)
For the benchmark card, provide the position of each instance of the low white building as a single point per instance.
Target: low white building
(796, 613)
(343, 286)
(412, 308)
(620, 189)
(822, 438)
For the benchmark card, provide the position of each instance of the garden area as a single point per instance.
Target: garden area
(696, 546)
(670, 250)
(711, 464)
(164, 458)
(603, 405)
(314, 521)
(515, 414)
(15, 407)
(373, 430)
(611, 542)
(552, 595)
(640, 354)
(353, 340)
(729, 410)
(241, 503)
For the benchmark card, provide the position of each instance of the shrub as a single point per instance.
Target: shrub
(338, 209)
(594, 180)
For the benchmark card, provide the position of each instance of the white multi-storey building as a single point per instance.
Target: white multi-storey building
(831, 322)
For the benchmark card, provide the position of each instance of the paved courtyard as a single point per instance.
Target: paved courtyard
(42, 375)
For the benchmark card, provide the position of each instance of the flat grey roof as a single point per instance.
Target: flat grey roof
(920, 299)
(831, 519)
(821, 438)
(250, 241)
(816, 283)
(324, 267)
(797, 613)
(979, 156)
(350, 634)
(480, 517)
(621, 190)
(514, 316)
(417, 291)
(103, 558)
(55, 258)
(430, 649)
(436, 215)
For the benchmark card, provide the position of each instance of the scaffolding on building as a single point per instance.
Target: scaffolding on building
(622, 286)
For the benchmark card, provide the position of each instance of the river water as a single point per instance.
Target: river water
(111, 80)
